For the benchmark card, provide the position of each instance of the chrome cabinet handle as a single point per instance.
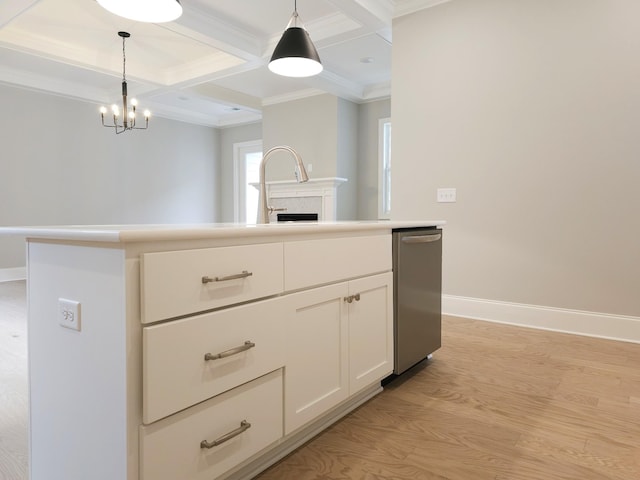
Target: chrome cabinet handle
(351, 298)
(422, 238)
(244, 274)
(244, 425)
(227, 353)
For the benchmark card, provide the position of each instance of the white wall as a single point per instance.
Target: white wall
(60, 166)
(531, 109)
(369, 115)
(229, 136)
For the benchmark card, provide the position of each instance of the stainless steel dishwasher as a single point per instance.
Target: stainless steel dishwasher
(417, 291)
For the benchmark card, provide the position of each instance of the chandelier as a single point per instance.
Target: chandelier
(128, 119)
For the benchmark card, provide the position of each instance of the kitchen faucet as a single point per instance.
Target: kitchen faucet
(263, 209)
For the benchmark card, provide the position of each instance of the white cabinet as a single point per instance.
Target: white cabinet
(339, 340)
(370, 330)
(316, 354)
(297, 322)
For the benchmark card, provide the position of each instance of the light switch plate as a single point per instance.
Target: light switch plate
(69, 313)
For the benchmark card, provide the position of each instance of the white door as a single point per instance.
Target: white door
(246, 162)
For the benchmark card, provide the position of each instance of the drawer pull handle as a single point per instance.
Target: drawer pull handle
(227, 353)
(244, 425)
(244, 274)
(422, 238)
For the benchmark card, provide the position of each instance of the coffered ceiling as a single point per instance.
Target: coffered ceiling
(208, 67)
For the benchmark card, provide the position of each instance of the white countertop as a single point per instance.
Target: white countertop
(145, 233)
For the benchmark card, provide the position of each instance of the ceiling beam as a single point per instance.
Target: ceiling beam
(217, 32)
(11, 9)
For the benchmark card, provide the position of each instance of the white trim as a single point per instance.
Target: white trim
(412, 6)
(237, 158)
(382, 215)
(13, 274)
(590, 324)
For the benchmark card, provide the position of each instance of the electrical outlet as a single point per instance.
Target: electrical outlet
(69, 313)
(446, 195)
(309, 168)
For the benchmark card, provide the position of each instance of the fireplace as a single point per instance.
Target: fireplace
(318, 195)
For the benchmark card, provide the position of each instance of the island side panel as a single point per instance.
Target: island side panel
(78, 404)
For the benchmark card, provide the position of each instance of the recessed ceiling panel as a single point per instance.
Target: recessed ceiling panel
(365, 60)
(84, 34)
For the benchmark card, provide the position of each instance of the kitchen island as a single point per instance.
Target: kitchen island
(200, 351)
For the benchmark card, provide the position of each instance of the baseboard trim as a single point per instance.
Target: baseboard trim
(13, 274)
(591, 324)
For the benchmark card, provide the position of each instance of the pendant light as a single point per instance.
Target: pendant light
(295, 54)
(156, 11)
(128, 121)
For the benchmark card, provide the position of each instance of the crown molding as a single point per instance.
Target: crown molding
(288, 97)
(407, 7)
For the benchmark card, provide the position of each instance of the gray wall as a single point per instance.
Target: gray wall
(347, 159)
(353, 127)
(532, 113)
(369, 115)
(308, 125)
(323, 129)
(60, 166)
(229, 136)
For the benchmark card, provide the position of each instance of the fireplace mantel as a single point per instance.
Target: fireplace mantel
(291, 195)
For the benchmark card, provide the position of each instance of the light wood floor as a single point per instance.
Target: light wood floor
(13, 381)
(496, 402)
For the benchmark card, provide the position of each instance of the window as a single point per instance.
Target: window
(384, 168)
(246, 160)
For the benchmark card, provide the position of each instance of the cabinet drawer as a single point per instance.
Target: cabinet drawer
(182, 282)
(316, 262)
(176, 374)
(171, 449)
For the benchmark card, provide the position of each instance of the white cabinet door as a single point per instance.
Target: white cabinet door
(317, 369)
(370, 330)
(339, 341)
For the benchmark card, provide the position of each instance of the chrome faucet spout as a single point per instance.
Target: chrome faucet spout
(263, 208)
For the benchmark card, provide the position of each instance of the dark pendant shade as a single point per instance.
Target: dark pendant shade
(295, 55)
